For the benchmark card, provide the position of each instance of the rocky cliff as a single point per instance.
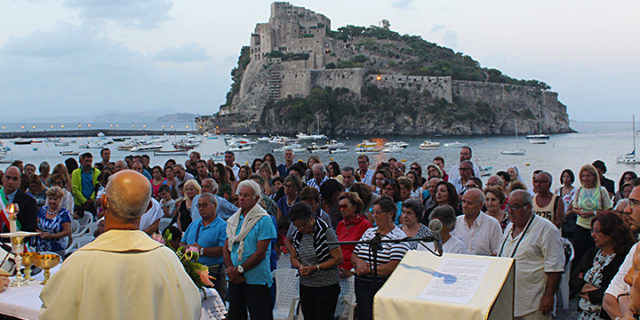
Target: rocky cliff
(298, 74)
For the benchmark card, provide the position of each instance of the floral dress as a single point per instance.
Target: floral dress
(52, 226)
(594, 276)
(424, 231)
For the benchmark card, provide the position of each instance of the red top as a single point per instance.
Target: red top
(351, 231)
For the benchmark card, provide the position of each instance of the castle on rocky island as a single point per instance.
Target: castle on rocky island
(296, 51)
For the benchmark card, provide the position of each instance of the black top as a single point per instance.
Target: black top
(184, 215)
(28, 213)
(608, 184)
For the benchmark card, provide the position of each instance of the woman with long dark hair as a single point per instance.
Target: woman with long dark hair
(599, 265)
(445, 194)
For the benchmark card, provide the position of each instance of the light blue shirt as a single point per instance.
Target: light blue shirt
(212, 235)
(263, 230)
(225, 209)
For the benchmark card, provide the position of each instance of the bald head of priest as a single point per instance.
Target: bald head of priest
(123, 273)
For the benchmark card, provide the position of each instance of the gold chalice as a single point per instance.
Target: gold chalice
(46, 262)
(28, 259)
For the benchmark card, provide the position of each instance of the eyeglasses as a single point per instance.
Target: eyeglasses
(343, 207)
(414, 168)
(516, 207)
(389, 181)
(633, 203)
(465, 169)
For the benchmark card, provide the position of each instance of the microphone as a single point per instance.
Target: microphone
(435, 226)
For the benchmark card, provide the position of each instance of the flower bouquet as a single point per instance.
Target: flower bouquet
(188, 256)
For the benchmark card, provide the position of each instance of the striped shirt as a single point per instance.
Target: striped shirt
(389, 252)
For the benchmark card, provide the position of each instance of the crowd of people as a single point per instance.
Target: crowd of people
(242, 219)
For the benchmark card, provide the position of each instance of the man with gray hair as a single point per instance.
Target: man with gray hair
(249, 234)
(119, 166)
(536, 246)
(480, 232)
(224, 208)
(181, 174)
(117, 275)
(319, 176)
(207, 235)
(466, 172)
(348, 177)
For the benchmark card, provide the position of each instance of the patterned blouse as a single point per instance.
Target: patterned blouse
(423, 232)
(594, 276)
(52, 226)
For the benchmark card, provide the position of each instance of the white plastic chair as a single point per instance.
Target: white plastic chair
(81, 241)
(86, 219)
(346, 300)
(563, 289)
(287, 290)
(75, 226)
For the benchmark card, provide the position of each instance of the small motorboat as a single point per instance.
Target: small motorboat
(69, 153)
(428, 144)
(456, 144)
(180, 152)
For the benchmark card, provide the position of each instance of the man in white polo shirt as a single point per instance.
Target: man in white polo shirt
(480, 233)
(535, 244)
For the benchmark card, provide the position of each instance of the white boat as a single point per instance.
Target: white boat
(180, 152)
(69, 153)
(218, 156)
(516, 151)
(293, 146)
(367, 144)
(146, 147)
(537, 141)
(339, 150)
(631, 157)
(61, 144)
(400, 144)
(539, 135)
(485, 171)
(428, 144)
(264, 139)
(240, 148)
(210, 136)
(456, 144)
(53, 139)
(334, 144)
(236, 142)
(392, 149)
(314, 148)
(303, 136)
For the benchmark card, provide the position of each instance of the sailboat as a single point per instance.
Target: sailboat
(631, 157)
(538, 138)
(318, 135)
(515, 151)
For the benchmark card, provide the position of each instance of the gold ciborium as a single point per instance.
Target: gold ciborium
(46, 262)
(28, 259)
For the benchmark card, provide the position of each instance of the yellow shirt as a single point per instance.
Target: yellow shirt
(121, 275)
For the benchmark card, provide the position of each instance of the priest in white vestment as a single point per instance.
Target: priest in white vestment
(122, 274)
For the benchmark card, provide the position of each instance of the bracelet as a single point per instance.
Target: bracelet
(201, 251)
(595, 213)
(318, 267)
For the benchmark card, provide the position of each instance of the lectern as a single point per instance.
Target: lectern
(454, 286)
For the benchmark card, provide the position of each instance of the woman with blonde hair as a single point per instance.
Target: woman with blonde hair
(54, 223)
(590, 200)
(183, 206)
(61, 169)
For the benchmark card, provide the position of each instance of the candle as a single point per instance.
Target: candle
(12, 217)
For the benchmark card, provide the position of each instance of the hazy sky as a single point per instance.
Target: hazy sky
(81, 57)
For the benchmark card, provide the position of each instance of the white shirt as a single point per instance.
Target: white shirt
(152, 215)
(453, 245)
(482, 238)
(539, 252)
(454, 172)
(617, 286)
(367, 177)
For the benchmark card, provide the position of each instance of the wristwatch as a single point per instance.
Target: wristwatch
(240, 269)
(201, 251)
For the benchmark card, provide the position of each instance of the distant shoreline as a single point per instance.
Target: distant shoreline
(89, 133)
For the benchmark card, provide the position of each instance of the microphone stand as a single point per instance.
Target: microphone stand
(375, 244)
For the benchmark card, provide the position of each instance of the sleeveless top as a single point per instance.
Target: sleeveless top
(548, 211)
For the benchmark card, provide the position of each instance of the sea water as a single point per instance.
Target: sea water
(592, 141)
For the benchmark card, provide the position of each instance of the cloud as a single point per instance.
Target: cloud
(187, 53)
(75, 70)
(401, 4)
(139, 13)
(448, 37)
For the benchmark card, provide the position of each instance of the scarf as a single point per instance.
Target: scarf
(319, 240)
(4, 215)
(250, 219)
